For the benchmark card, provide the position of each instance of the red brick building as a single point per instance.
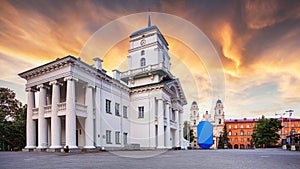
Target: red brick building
(240, 130)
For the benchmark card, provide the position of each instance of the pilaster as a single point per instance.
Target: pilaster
(160, 123)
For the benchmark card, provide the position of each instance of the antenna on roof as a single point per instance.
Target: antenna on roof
(149, 19)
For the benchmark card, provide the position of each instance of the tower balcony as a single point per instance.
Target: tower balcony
(149, 70)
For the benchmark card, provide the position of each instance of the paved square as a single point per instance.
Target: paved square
(258, 159)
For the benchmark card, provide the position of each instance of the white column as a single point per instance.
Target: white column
(70, 113)
(160, 123)
(177, 128)
(181, 128)
(89, 121)
(42, 122)
(97, 117)
(55, 120)
(30, 124)
(168, 141)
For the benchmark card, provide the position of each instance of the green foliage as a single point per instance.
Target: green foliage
(12, 121)
(224, 140)
(188, 133)
(265, 132)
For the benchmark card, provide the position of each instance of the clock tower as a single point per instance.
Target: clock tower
(148, 60)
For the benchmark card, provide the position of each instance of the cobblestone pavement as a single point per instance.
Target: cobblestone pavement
(258, 159)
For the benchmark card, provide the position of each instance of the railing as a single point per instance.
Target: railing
(35, 110)
(48, 109)
(81, 107)
(143, 69)
(61, 106)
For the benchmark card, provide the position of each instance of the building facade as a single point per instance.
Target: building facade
(80, 106)
(218, 122)
(240, 131)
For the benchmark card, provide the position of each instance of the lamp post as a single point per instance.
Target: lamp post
(290, 114)
(291, 137)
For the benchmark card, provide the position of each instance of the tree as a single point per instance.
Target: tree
(265, 132)
(188, 133)
(224, 140)
(12, 121)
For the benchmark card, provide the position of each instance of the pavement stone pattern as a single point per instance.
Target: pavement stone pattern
(206, 159)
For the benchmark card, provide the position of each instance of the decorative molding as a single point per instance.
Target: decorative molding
(42, 86)
(55, 82)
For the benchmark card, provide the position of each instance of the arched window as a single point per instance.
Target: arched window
(143, 62)
(142, 52)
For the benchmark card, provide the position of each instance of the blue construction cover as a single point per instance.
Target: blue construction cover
(205, 134)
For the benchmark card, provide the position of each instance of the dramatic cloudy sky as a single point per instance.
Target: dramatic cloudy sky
(257, 42)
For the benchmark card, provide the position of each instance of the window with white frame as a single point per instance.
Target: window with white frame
(117, 109)
(125, 112)
(143, 62)
(108, 137)
(117, 137)
(141, 112)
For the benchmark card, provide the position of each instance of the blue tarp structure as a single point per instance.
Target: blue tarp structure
(205, 134)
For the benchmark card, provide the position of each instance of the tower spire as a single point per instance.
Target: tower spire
(149, 19)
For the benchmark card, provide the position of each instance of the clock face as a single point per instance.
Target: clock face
(143, 42)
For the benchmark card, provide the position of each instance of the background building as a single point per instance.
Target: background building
(218, 122)
(240, 130)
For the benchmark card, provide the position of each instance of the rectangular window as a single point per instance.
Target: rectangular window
(235, 133)
(125, 111)
(229, 133)
(229, 126)
(235, 126)
(242, 126)
(248, 139)
(117, 109)
(236, 140)
(248, 126)
(108, 137)
(125, 138)
(242, 139)
(292, 125)
(248, 133)
(107, 106)
(141, 112)
(117, 137)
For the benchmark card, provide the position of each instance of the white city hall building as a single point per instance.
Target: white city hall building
(80, 106)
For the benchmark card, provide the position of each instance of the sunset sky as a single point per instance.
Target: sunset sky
(256, 42)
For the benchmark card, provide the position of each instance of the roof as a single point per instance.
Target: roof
(144, 30)
(149, 28)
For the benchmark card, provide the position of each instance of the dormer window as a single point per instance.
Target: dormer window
(143, 62)
(142, 52)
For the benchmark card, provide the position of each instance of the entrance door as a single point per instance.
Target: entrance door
(77, 138)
